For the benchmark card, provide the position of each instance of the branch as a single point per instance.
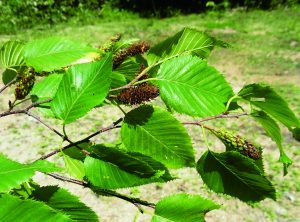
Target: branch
(48, 126)
(64, 137)
(221, 116)
(70, 180)
(135, 201)
(112, 126)
(13, 112)
(8, 85)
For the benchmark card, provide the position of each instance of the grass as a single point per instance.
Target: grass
(265, 48)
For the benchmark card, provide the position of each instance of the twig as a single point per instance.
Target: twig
(63, 136)
(47, 125)
(70, 180)
(135, 201)
(8, 85)
(221, 116)
(13, 112)
(112, 126)
(26, 111)
(133, 81)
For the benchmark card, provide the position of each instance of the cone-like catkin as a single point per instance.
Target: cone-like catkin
(107, 46)
(238, 143)
(138, 94)
(25, 84)
(134, 49)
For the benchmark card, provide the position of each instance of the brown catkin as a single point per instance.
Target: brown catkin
(25, 84)
(138, 94)
(134, 49)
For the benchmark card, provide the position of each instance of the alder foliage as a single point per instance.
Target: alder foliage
(65, 80)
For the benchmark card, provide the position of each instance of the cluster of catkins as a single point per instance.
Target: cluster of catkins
(25, 82)
(139, 93)
(238, 143)
(134, 49)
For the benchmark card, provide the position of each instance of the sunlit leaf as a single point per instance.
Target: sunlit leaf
(182, 208)
(187, 41)
(64, 202)
(83, 87)
(16, 210)
(265, 98)
(13, 173)
(156, 133)
(55, 52)
(190, 86)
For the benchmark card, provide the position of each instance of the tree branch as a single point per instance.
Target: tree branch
(135, 201)
(112, 126)
(8, 85)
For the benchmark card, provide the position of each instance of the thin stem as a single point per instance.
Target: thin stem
(12, 104)
(230, 101)
(120, 108)
(8, 85)
(64, 131)
(13, 112)
(135, 201)
(204, 136)
(112, 126)
(145, 80)
(136, 216)
(134, 80)
(70, 180)
(221, 116)
(45, 124)
(63, 136)
(22, 101)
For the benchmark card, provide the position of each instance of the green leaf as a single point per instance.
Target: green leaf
(190, 86)
(156, 133)
(74, 167)
(236, 175)
(182, 208)
(123, 160)
(83, 87)
(156, 165)
(273, 131)
(106, 175)
(129, 68)
(54, 53)
(13, 173)
(16, 210)
(8, 75)
(265, 98)
(117, 80)
(46, 89)
(296, 134)
(11, 54)
(75, 153)
(62, 201)
(187, 41)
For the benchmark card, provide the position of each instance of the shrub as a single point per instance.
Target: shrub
(65, 80)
